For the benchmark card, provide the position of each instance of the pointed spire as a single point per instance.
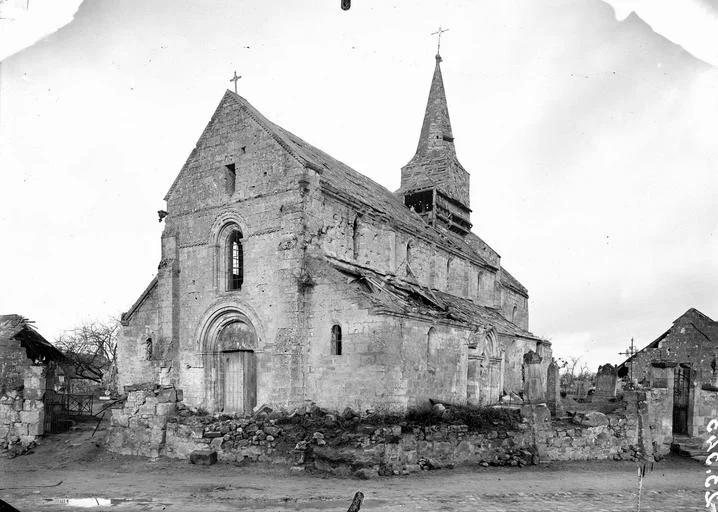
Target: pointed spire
(436, 132)
(434, 165)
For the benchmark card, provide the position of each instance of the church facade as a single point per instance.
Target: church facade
(287, 278)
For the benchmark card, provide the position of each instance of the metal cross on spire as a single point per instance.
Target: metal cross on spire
(235, 79)
(438, 34)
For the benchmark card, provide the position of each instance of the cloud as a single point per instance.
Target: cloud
(692, 24)
(23, 24)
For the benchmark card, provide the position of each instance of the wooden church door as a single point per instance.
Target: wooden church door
(240, 381)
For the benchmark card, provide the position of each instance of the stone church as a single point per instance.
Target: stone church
(287, 277)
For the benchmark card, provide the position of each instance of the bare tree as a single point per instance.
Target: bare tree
(92, 349)
(574, 369)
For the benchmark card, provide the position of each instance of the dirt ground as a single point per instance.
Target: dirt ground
(93, 479)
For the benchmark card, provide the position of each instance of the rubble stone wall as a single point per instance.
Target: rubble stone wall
(22, 411)
(153, 424)
(13, 363)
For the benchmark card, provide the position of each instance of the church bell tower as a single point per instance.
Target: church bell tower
(434, 183)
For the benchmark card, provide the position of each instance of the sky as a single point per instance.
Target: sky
(588, 128)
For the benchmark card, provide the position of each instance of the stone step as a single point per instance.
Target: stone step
(693, 447)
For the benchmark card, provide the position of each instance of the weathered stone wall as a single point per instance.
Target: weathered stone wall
(705, 409)
(348, 443)
(13, 364)
(510, 299)
(659, 430)
(683, 343)
(387, 363)
(385, 248)
(140, 426)
(133, 363)
(266, 205)
(22, 412)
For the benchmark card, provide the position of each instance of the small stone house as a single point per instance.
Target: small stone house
(29, 366)
(684, 359)
(287, 277)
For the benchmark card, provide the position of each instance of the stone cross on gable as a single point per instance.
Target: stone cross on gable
(235, 79)
(438, 34)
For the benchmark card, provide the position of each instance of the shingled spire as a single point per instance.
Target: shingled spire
(436, 131)
(434, 183)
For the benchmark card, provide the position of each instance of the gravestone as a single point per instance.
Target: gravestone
(581, 389)
(553, 390)
(606, 380)
(534, 391)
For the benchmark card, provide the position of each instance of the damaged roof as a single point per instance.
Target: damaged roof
(341, 180)
(36, 347)
(392, 295)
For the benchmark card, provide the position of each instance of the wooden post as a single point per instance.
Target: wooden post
(356, 502)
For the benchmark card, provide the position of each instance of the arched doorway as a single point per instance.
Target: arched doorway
(237, 367)
(229, 344)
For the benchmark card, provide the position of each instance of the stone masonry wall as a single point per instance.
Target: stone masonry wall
(133, 364)
(316, 439)
(683, 343)
(140, 427)
(659, 428)
(22, 412)
(705, 409)
(267, 206)
(13, 363)
(383, 247)
(386, 362)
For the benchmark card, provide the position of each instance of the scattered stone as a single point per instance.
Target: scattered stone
(203, 457)
(591, 419)
(439, 409)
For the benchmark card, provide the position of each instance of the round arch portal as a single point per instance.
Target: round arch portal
(229, 344)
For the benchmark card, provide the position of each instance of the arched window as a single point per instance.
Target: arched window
(235, 261)
(513, 313)
(448, 273)
(479, 278)
(355, 238)
(336, 345)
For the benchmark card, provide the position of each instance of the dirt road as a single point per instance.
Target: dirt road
(93, 479)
